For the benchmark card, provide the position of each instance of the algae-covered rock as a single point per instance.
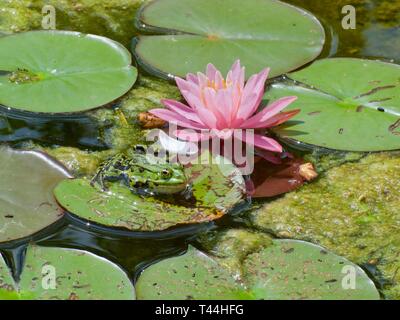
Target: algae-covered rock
(18, 16)
(79, 162)
(231, 246)
(324, 159)
(351, 210)
(110, 18)
(125, 129)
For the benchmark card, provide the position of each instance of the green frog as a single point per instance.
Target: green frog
(141, 175)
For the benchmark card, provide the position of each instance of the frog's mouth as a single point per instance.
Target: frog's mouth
(171, 189)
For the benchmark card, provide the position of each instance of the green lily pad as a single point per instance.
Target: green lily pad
(6, 280)
(285, 270)
(62, 71)
(192, 276)
(346, 104)
(66, 274)
(194, 33)
(27, 204)
(217, 189)
(292, 269)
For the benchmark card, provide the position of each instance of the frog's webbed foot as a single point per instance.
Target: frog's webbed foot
(142, 192)
(188, 192)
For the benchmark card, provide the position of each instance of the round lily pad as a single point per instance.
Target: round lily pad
(66, 274)
(285, 270)
(217, 188)
(27, 204)
(346, 104)
(62, 71)
(192, 276)
(192, 33)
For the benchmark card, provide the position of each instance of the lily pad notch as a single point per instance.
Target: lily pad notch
(186, 35)
(62, 72)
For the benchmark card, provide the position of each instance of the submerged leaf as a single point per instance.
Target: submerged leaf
(27, 204)
(65, 274)
(271, 180)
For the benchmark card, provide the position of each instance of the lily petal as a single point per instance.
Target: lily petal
(175, 146)
(211, 72)
(181, 108)
(262, 142)
(253, 93)
(170, 116)
(191, 136)
(268, 112)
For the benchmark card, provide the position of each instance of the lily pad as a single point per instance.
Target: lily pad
(217, 189)
(27, 204)
(292, 269)
(66, 274)
(192, 276)
(346, 104)
(62, 71)
(194, 33)
(285, 270)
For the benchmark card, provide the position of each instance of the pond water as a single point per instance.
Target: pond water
(377, 36)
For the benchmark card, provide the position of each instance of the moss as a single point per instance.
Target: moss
(388, 12)
(352, 210)
(16, 16)
(79, 162)
(111, 18)
(325, 160)
(125, 131)
(231, 246)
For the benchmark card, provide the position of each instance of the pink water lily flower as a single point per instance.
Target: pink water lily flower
(218, 106)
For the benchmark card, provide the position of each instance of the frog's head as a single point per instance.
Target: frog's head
(157, 175)
(167, 178)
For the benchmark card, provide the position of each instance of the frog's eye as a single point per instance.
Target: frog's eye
(166, 174)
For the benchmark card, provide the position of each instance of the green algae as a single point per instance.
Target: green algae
(17, 16)
(78, 162)
(381, 15)
(324, 160)
(111, 18)
(230, 247)
(352, 210)
(125, 130)
(387, 12)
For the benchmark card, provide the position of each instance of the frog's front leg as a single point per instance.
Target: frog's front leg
(99, 178)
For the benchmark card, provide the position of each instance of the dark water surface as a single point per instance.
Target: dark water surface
(377, 36)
